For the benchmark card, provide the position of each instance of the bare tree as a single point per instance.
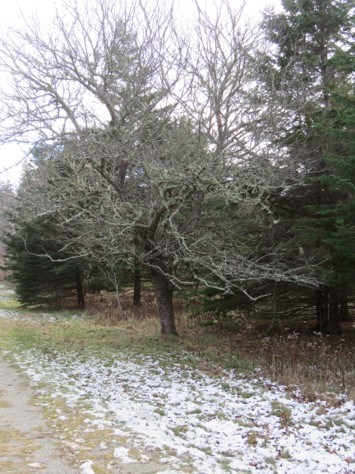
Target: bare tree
(156, 147)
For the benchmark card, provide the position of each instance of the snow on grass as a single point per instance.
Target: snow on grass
(123, 454)
(86, 468)
(227, 423)
(22, 315)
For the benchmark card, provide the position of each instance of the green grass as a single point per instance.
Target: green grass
(87, 338)
(9, 304)
(252, 438)
(8, 301)
(283, 412)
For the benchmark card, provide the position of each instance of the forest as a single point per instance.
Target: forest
(177, 262)
(211, 163)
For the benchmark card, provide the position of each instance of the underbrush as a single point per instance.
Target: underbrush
(110, 309)
(316, 363)
(292, 353)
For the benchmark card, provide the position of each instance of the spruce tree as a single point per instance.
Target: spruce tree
(312, 73)
(40, 270)
(333, 222)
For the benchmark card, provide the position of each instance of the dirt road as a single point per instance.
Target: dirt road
(26, 442)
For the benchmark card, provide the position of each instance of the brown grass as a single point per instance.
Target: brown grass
(316, 363)
(108, 309)
(292, 355)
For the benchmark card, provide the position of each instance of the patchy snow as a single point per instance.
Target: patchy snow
(122, 454)
(86, 468)
(16, 315)
(226, 423)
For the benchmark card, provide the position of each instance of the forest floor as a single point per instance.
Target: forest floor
(107, 400)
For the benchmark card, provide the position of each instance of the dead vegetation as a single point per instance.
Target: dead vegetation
(110, 308)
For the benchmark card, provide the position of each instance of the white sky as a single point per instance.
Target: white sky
(12, 155)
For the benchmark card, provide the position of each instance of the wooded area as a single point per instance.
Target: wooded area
(216, 160)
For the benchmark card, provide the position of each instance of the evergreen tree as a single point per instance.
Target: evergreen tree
(41, 271)
(7, 197)
(333, 224)
(311, 75)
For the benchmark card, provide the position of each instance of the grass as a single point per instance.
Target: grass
(74, 441)
(141, 336)
(282, 412)
(252, 438)
(15, 448)
(9, 304)
(315, 363)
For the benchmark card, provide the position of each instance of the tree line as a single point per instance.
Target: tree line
(219, 154)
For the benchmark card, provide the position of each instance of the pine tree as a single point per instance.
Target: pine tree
(7, 197)
(333, 223)
(312, 74)
(41, 272)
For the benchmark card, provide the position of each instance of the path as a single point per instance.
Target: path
(26, 443)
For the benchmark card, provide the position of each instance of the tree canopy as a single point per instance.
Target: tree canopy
(169, 149)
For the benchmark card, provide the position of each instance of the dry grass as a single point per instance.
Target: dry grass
(293, 356)
(16, 449)
(110, 309)
(316, 363)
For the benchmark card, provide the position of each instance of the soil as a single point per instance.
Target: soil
(26, 442)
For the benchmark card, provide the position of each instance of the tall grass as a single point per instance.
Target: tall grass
(316, 363)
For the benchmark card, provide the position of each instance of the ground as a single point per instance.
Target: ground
(26, 442)
(125, 411)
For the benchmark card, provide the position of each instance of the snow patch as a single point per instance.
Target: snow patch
(122, 454)
(196, 422)
(85, 467)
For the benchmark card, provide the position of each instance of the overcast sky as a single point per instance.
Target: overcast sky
(12, 154)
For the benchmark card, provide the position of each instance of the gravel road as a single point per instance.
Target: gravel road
(26, 442)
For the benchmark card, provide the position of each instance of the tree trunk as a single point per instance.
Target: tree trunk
(334, 313)
(275, 318)
(164, 296)
(137, 290)
(80, 289)
(321, 309)
(344, 306)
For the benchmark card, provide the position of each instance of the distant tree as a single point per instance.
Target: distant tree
(41, 280)
(7, 198)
